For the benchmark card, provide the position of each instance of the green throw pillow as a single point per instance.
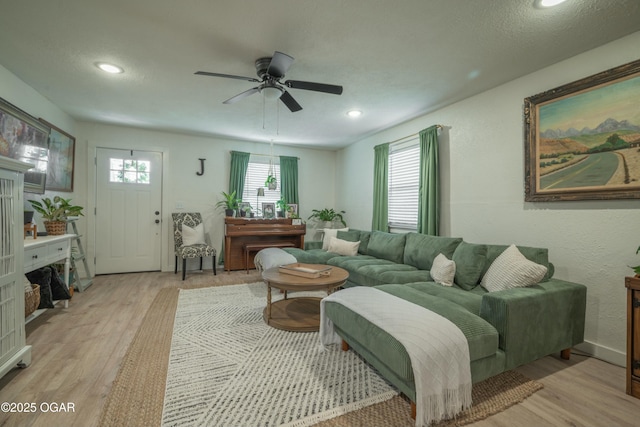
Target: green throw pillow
(387, 246)
(470, 260)
(422, 249)
(349, 236)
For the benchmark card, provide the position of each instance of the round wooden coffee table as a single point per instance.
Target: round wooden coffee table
(301, 314)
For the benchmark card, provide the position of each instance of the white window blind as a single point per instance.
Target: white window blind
(257, 173)
(404, 170)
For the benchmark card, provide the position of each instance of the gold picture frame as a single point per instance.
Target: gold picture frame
(582, 140)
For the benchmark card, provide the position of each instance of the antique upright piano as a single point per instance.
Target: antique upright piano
(257, 232)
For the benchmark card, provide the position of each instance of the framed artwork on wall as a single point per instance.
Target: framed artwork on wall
(24, 138)
(61, 159)
(582, 140)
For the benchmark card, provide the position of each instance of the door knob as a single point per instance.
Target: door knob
(157, 221)
(157, 213)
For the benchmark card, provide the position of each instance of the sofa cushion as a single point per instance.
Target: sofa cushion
(343, 247)
(481, 335)
(512, 270)
(328, 234)
(405, 276)
(443, 270)
(312, 256)
(349, 236)
(537, 255)
(421, 249)
(470, 260)
(470, 300)
(366, 270)
(365, 236)
(387, 246)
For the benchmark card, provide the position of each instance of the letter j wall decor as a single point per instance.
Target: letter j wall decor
(582, 140)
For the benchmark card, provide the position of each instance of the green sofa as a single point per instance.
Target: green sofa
(504, 329)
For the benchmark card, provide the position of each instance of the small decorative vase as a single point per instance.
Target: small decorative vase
(55, 228)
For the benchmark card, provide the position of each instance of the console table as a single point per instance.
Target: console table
(45, 250)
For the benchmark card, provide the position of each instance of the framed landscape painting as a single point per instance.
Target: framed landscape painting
(582, 140)
(24, 138)
(61, 159)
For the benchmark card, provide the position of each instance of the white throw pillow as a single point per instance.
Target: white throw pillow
(512, 270)
(443, 270)
(193, 236)
(328, 234)
(343, 247)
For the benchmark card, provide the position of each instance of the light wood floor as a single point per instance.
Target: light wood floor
(77, 352)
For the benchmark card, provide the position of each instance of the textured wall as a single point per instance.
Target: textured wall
(482, 160)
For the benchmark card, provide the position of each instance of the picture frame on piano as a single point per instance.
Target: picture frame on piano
(268, 210)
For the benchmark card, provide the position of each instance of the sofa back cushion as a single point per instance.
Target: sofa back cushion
(470, 260)
(354, 235)
(421, 249)
(387, 246)
(537, 255)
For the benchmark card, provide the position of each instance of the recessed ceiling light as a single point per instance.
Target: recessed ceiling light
(549, 3)
(354, 113)
(109, 68)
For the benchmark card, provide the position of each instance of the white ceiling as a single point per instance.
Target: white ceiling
(395, 59)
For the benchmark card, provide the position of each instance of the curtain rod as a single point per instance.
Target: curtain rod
(266, 155)
(412, 136)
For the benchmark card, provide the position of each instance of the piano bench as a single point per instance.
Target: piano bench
(258, 246)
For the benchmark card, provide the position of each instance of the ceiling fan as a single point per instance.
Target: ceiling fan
(270, 72)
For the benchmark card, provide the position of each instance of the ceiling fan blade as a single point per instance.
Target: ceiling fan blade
(318, 87)
(279, 65)
(242, 95)
(228, 76)
(291, 103)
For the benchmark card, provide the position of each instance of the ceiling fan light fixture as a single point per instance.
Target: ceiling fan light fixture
(271, 92)
(109, 68)
(549, 3)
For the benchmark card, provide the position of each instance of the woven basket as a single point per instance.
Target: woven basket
(55, 228)
(31, 300)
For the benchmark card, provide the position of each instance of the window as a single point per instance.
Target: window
(129, 171)
(404, 177)
(257, 172)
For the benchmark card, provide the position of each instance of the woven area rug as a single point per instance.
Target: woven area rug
(137, 393)
(228, 368)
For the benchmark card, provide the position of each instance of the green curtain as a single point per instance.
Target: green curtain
(289, 179)
(380, 188)
(238, 172)
(429, 184)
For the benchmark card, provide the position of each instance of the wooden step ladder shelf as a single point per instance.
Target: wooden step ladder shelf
(80, 283)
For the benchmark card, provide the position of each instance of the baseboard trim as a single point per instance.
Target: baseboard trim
(603, 353)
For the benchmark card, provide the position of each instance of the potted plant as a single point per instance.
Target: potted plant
(636, 269)
(229, 203)
(282, 206)
(247, 211)
(329, 216)
(55, 213)
(271, 183)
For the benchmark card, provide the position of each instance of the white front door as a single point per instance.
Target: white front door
(128, 211)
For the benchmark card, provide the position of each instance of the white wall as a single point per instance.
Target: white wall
(23, 96)
(200, 193)
(482, 168)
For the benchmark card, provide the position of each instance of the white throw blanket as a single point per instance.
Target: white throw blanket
(437, 348)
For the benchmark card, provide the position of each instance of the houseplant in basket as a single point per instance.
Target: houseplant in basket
(55, 213)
